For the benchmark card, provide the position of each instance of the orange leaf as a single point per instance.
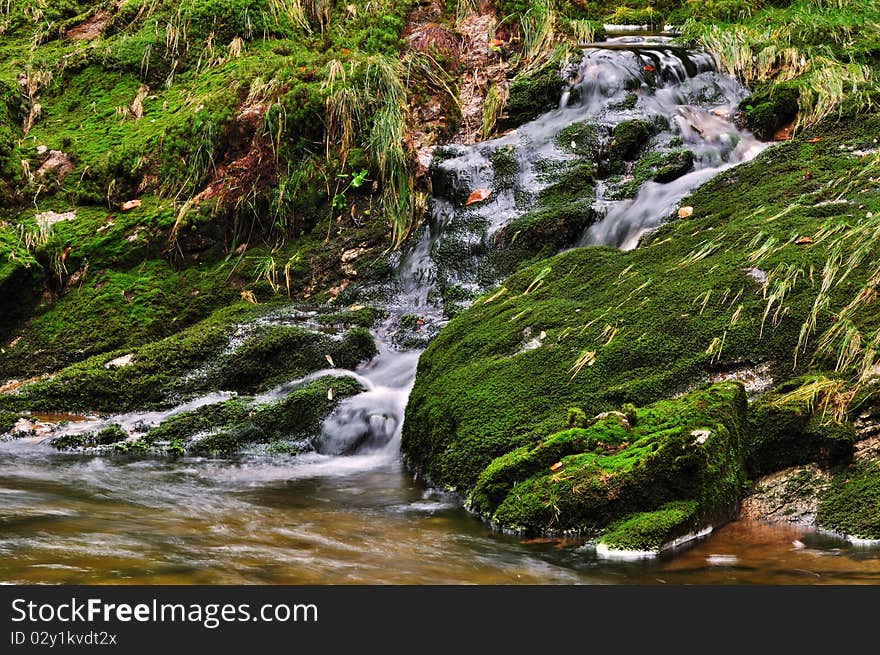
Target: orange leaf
(804, 241)
(496, 43)
(649, 68)
(556, 466)
(478, 195)
(814, 139)
(130, 204)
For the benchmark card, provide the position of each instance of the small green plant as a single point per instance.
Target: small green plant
(350, 181)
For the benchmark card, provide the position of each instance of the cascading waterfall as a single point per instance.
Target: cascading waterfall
(649, 79)
(625, 78)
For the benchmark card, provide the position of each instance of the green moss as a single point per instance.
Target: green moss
(533, 94)
(564, 210)
(228, 427)
(689, 449)
(193, 361)
(8, 421)
(112, 434)
(852, 505)
(628, 139)
(651, 531)
(279, 353)
(770, 108)
(504, 166)
(658, 166)
(784, 434)
(634, 327)
(365, 317)
(582, 139)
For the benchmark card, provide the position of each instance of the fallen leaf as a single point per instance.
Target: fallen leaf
(248, 296)
(495, 43)
(804, 241)
(130, 204)
(685, 212)
(556, 466)
(814, 139)
(330, 359)
(478, 195)
(649, 68)
(330, 393)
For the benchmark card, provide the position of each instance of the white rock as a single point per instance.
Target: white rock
(701, 436)
(119, 362)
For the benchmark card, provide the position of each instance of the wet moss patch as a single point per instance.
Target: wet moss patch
(852, 505)
(583, 480)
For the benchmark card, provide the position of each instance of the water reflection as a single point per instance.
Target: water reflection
(71, 519)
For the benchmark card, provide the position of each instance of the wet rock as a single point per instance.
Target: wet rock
(791, 495)
(641, 485)
(628, 139)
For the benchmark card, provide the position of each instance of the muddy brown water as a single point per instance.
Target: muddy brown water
(325, 520)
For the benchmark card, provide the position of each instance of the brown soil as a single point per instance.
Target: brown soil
(91, 28)
(464, 50)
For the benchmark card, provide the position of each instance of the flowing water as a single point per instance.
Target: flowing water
(335, 517)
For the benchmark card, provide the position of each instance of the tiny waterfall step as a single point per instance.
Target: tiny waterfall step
(641, 122)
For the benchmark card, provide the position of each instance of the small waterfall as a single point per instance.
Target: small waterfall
(649, 79)
(625, 78)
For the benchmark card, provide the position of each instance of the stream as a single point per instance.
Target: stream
(335, 517)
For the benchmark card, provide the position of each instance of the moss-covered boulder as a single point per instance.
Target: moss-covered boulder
(112, 434)
(628, 139)
(214, 354)
(586, 479)
(8, 421)
(231, 426)
(788, 430)
(770, 108)
(532, 94)
(563, 211)
(286, 424)
(852, 506)
(731, 288)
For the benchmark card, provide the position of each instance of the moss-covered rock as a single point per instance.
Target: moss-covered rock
(112, 434)
(206, 357)
(279, 353)
(564, 210)
(628, 139)
(228, 427)
(770, 108)
(649, 532)
(8, 421)
(852, 505)
(786, 432)
(533, 94)
(583, 480)
(728, 288)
